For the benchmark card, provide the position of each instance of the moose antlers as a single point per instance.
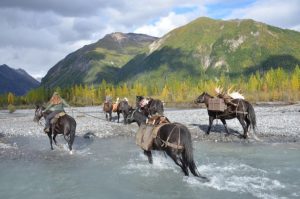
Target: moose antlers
(234, 94)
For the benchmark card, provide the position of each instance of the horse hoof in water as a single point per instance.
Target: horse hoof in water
(71, 152)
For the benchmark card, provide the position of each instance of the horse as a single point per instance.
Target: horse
(243, 111)
(107, 109)
(170, 134)
(65, 125)
(154, 106)
(123, 107)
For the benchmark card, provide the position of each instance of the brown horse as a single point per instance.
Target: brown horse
(65, 125)
(123, 107)
(244, 112)
(107, 109)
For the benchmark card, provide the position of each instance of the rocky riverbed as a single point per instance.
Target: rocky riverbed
(275, 123)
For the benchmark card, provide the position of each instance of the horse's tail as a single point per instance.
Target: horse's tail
(251, 116)
(187, 154)
(70, 130)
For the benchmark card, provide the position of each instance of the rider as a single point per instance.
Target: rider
(56, 105)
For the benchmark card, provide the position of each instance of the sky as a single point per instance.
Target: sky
(36, 34)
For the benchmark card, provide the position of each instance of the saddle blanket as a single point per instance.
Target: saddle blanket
(146, 135)
(56, 117)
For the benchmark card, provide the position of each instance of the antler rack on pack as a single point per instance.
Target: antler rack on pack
(224, 99)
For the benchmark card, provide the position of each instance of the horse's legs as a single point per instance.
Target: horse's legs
(181, 163)
(118, 113)
(225, 125)
(241, 120)
(149, 155)
(124, 116)
(106, 116)
(50, 138)
(110, 116)
(248, 122)
(211, 119)
(54, 138)
(71, 140)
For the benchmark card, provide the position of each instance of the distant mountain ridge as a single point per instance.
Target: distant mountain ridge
(202, 48)
(206, 47)
(17, 81)
(95, 62)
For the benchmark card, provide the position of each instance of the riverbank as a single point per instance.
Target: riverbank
(278, 123)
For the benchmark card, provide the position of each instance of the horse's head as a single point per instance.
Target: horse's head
(107, 106)
(201, 98)
(136, 115)
(38, 114)
(138, 99)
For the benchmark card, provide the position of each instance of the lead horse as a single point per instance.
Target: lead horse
(168, 135)
(244, 112)
(107, 109)
(65, 125)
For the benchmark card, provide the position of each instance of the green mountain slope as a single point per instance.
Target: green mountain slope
(207, 46)
(98, 61)
(203, 48)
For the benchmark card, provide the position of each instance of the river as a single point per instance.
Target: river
(116, 168)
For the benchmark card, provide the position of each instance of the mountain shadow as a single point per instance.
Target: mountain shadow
(162, 62)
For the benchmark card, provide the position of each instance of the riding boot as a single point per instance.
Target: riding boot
(47, 128)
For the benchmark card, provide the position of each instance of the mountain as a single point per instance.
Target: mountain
(206, 47)
(17, 81)
(203, 48)
(95, 62)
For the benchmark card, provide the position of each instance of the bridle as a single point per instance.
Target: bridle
(38, 114)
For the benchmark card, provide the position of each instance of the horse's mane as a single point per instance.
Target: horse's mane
(208, 95)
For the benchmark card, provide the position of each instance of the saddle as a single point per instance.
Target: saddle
(148, 132)
(56, 117)
(157, 119)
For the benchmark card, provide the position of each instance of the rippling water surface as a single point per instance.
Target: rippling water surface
(117, 168)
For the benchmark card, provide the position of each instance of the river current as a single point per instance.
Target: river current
(117, 168)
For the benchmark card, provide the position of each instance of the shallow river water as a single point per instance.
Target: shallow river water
(117, 168)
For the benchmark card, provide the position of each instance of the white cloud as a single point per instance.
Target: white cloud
(285, 14)
(164, 25)
(167, 23)
(36, 34)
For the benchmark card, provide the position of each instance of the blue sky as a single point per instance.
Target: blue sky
(36, 34)
(220, 10)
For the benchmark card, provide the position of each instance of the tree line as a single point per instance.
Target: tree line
(274, 85)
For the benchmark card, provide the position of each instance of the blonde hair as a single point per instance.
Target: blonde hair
(55, 99)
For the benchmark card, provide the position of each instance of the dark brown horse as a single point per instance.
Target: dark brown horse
(154, 106)
(123, 107)
(168, 135)
(107, 109)
(244, 112)
(65, 125)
